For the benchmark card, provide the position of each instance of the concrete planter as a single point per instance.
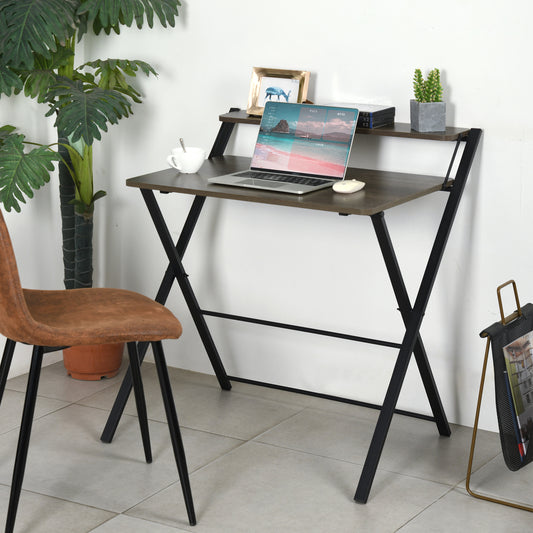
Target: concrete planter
(428, 116)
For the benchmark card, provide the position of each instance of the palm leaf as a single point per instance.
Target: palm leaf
(28, 26)
(22, 173)
(107, 16)
(84, 110)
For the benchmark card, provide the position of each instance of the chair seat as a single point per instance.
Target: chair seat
(95, 316)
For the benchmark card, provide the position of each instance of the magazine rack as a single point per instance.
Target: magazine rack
(505, 337)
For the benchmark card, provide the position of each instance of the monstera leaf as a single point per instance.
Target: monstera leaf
(9, 81)
(22, 173)
(39, 80)
(38, 41)
(5, 133)
(107, 16)
(84, 110)
(34, 26)
(111, 74)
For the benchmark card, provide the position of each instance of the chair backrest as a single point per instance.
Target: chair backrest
(15, 319)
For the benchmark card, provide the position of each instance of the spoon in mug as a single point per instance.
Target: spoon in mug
(183, 145)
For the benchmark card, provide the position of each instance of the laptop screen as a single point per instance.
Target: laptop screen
(305, 139)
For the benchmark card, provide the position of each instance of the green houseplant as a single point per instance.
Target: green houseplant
(428, 111)
(38, 58)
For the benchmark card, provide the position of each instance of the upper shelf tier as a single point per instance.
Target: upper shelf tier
(398, 129)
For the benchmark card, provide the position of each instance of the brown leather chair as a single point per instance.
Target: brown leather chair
(51, 320)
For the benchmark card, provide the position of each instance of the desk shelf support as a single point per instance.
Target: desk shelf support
(223, 137)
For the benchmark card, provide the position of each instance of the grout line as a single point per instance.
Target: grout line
(423, 510)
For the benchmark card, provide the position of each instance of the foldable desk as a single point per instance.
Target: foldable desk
(383, 191)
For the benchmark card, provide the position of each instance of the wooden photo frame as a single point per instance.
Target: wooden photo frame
(278, 85)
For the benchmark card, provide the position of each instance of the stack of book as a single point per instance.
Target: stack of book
(374, 116)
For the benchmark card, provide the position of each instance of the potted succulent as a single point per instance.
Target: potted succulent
(428, 111)
(38, 41)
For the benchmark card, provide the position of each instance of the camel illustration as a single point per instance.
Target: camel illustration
(276, 91)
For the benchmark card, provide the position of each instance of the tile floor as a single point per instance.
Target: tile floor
(260, 460)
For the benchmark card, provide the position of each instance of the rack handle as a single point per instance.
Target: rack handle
(518, 312)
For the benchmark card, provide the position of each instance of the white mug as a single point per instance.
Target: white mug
(188, 162)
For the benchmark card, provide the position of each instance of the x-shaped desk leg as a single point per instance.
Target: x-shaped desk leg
(405, 308)
(175, 271)
(413, 320)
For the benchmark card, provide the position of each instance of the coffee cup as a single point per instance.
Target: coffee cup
(188, 161)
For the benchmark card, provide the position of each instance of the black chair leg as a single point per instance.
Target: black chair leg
(5, 365)
(24, 436)
(140, 402)
(174, 428)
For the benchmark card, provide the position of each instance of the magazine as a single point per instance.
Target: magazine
(519, 363)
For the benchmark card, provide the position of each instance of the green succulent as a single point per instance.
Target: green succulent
(428, 90)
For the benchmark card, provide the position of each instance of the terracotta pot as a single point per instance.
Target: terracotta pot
(94, 362)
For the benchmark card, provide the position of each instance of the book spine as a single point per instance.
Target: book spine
(372, 119)
(384, 113)
(371, 122)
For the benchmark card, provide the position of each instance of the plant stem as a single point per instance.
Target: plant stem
(84, 251)
(67, 193)
(77, 227)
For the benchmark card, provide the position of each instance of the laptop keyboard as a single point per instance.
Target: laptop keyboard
(300, 180)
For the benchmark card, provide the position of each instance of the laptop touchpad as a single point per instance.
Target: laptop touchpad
(262, 183)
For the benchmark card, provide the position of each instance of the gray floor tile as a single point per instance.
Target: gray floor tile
(297, 471)
(457, 511)
(67, 460)
(263, 488)
(12, 404)
(324, 433)
(42, 514)
(127, 524)
(413, 446)
(55, 383)
(202, 407)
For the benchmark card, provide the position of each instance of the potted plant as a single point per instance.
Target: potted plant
(428, 111)
(38, 41)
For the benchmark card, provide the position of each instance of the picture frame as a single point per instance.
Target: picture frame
(278, 85)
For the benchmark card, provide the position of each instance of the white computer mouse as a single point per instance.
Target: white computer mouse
(348, 186)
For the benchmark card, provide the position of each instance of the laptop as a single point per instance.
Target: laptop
(300, 148)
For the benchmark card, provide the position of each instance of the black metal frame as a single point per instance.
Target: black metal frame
(412, 315)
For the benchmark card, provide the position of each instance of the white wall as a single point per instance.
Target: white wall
(242, 257)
